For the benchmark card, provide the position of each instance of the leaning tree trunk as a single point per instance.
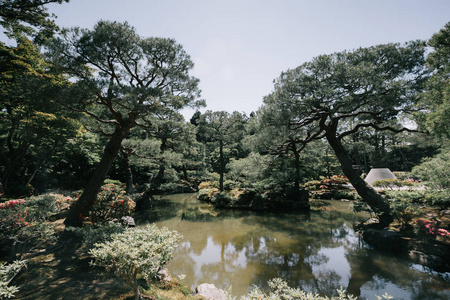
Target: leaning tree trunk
(90, 193)
(379, 205)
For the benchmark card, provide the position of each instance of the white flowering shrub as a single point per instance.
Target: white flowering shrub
(7, 273)
(279, 290)
(136, 252)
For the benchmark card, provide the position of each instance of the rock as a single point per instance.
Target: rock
(431, 261)
(128, 221)
(210, 292)
(444, 212)
(164, 275)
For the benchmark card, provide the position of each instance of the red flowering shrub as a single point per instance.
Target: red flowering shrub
(14, 216)
(111, 203)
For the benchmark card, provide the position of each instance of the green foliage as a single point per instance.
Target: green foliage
(111, 203)
(437, 92)
(32, 127)
(405, 206)
(7, 273)
(434, 173)
(207, 194)
(136, 252)
(98, 233)
(222, 132)
(394, 183)
(251, 168)
(28, 17)
(333, 183)
(438, 198)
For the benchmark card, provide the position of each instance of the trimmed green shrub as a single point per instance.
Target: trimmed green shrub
(136, 252)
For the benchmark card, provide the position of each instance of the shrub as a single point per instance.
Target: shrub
(228, 185)
(207, 195)
(439, 198)
(99, 233)
(426, 230)
(22, 221)
(390, 183)
(404, 210)
(111, 203)
(335, 182)
(11, 203)
(279, 290)
(208, 185)
(7, 273)
(136, 252)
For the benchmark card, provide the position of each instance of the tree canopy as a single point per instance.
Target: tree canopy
(120, 81)
(28, 17)
(335, 96)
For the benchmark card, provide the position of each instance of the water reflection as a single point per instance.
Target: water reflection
(317, 251)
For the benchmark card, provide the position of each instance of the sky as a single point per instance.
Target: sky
(240, 46)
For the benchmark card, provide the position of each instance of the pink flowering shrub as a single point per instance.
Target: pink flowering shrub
(62, 202)
(427, 230)
(111, 203)
(19, 213)
(11, 203)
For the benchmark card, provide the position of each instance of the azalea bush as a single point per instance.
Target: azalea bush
(427, 230)
(11, 203)
(7, 273)
(136, 252)
(23, 221)
(111, 203)
(14, 215)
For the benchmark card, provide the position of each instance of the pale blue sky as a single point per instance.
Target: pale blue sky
(240, 46)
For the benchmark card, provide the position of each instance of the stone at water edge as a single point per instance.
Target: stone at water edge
(128, 221)
(210, 292)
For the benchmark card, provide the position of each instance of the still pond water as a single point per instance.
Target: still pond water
(316, 251)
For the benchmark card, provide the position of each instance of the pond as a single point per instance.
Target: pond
(317, 251)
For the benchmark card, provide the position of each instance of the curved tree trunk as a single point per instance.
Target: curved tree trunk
(379, 205)
(90, 193)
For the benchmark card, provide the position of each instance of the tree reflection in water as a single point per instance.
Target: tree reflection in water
(317, 251)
